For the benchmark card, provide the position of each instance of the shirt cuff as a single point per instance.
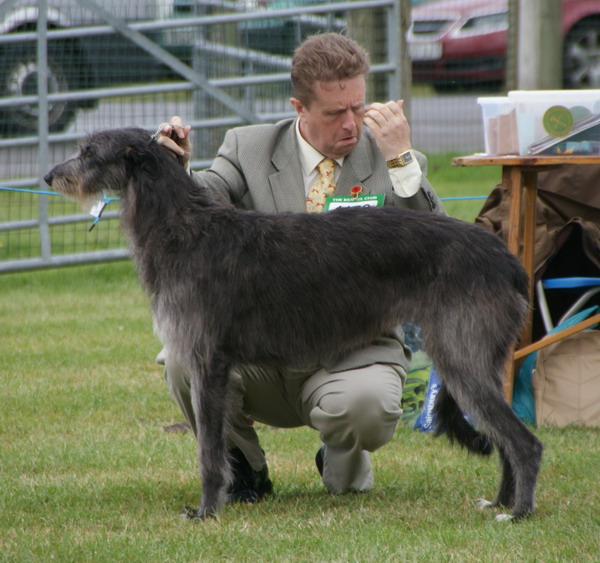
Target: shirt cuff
(406, 180)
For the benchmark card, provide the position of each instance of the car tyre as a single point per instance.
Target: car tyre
(18, 77)
(581, 60)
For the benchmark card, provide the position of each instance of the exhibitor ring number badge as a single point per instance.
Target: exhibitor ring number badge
(370, 200)
(558, 121)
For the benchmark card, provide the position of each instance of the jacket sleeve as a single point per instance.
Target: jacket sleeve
(425, 199)
(224, 179)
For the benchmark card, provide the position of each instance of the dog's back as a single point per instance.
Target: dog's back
(371, 269)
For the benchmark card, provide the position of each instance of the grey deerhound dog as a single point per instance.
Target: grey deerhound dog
(235, 287)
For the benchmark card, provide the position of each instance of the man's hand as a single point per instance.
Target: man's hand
(174, 136)
(390, 128)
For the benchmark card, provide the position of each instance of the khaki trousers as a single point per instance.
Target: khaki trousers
(355, 412)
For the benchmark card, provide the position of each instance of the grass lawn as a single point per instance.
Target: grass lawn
(88, 474)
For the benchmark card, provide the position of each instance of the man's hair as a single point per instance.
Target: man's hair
(324, 58)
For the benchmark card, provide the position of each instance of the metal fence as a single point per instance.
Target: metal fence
(109, 63)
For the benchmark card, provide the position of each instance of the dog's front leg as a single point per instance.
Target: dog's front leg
(209, 388)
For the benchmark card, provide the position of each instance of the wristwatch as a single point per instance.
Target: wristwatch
(401, 160)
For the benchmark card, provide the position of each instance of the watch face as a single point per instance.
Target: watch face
(406, 157)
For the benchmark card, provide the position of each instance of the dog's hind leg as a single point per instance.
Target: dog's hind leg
(209, 388)
(475, 387)
(472, 368)
(520, 456)
(506, 491)
(451, 421)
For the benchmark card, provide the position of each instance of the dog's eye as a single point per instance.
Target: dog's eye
(85, 150)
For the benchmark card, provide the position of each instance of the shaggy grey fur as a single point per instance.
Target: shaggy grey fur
(235, 287)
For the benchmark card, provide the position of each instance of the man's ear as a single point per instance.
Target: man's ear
(297, 105)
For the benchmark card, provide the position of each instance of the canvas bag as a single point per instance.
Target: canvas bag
(566, 381)
(523, 399)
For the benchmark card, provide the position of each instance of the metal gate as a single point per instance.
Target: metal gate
(109, 64)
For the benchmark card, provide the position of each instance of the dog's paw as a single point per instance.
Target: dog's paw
(484, 504)
(190, 513)
(504, 518)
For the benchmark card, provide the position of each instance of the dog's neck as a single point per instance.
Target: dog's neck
(164, 210)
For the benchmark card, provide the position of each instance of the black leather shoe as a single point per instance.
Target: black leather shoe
(248, 485)
(319, 459)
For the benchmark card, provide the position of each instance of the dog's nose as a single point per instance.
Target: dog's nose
(48, 178)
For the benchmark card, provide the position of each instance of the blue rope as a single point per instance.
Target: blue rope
(29, 191)
(463, 197)
(105, 200)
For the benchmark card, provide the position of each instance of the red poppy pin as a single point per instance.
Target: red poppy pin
(355, 191)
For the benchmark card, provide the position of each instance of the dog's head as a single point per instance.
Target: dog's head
(104, 163)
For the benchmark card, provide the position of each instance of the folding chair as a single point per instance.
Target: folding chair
(572, 284)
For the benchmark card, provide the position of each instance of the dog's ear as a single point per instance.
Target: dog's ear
(133, 152)
(141, 157)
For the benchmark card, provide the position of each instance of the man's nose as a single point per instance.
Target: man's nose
(349, 121)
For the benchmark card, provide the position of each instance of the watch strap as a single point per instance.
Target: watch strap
(401, 160)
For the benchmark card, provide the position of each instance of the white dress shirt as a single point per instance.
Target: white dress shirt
(406, 180)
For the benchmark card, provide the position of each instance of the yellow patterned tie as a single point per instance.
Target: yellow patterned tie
(323, 187)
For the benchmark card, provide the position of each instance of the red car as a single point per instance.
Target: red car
(462, 43)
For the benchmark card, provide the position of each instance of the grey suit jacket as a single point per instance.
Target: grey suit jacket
(258, 168)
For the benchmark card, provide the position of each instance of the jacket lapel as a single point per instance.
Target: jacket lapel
(286, 184)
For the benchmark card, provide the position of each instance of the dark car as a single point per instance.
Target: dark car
(282, 35)
(462, 43)
(76, 61)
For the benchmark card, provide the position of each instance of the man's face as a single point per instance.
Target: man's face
(333, 122)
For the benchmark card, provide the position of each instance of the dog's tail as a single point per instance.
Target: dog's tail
(452, 422)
